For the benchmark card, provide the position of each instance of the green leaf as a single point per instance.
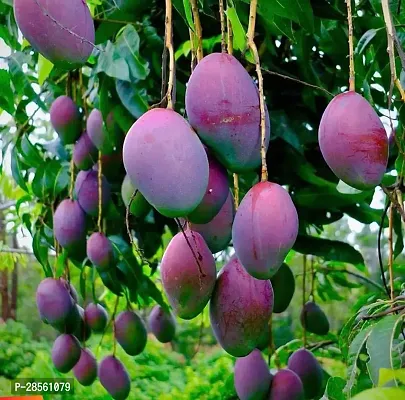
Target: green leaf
(83, 282)
(134, 99)
(399, 243)
(239, 33)
(365, 40)
(40, 248)
(334, 389)
(123, 118)
(381, 394)
(127, 47)
(44, 69)
(380, 346)
(6, 95)
(344, 188)
(111, 281)
(354, 352)
(51, 179)
(387, 375)
(188, 13)
(331, 250)
(149, 289)
(16, 169)
(29, 153)
(112, 64)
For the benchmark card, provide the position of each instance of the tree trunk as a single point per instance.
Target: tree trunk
(14, 284)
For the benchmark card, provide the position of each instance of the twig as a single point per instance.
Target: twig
(82, 39)
(113, 322)
(100, 192)
(297, 80)
(253, 48)
(304, 277)
(236, 190)
(192, 48)
(384, 313)
(390, 250)
(380, 261)
(311, 293)
(230, 36)
(345, 271)
(222, 18)
(169, 47)
(351, 47)
(394, 201)
(198, 29)
(72, 178)
(319, 345)
(391, 34)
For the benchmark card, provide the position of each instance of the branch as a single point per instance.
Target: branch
(380, 261)
(390, 250)
(351, 51)
(6, 206)
(222, 18)
(394, 201)
(253, 48)
(384, 313)
(198, 29)
(319, 345)
(169, 47)
(297, 80)
(17, 251)
(304, 277)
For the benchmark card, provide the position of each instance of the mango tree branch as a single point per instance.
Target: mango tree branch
(253, 48)
(169, 46)
(351, 51)
(198, 29)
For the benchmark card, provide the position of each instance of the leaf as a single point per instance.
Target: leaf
(188, 14)
(239, 33)
(44, 69)
(134, 99)
(380, 346)
(123, 118)
(6, 95)
(381, 394)
(149, 289)
(365, 40)
(399, 243)
(111, 281)
(40, 248)
(331, 250)
(334, 389)
(83, 282)
(112, 64)
(354, 352)
(21, 201)
(16, 169)
(387, 375)
(344, 188)
(51, 179)
(127, 47)
(29, 153)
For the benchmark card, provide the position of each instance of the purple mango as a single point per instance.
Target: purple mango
(84, 153)
(114, 378)
(100, 251)
(65, 352)
(162, 324)
(66, 119)
(85, 371)
(286, 385)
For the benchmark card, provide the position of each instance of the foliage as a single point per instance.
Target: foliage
(305, 40)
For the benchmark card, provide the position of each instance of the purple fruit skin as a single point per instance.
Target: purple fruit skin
(353, 141)
(286, 385)
(162, 324)
(167, 162)
(54, 301)
(55, 43)
(188, 285)
(314, 319)
(100, 251)
(218, 232)
(84, 152)
(215, 194)
(69, 225)
(222, 104)
(99, 133)
(96, 317)
(114, 378)
(85, 371)
(66, 119)
(139, 206)
(307, 367)
(130, 332)
(252, 377)
(283, 283)
(86, 190)
(65, 352)
(240, 309)
(265, 229)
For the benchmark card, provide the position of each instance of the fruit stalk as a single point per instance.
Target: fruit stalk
(236, 189)
(312, 278)
(390, 250)
(253, 48)
(72, 178)
(192, 48)
(223, 33)
(351, 51)
(230, 36)
(391, 36)
(100, 192)
(113, 324)
(198, 29)
(169, 47)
